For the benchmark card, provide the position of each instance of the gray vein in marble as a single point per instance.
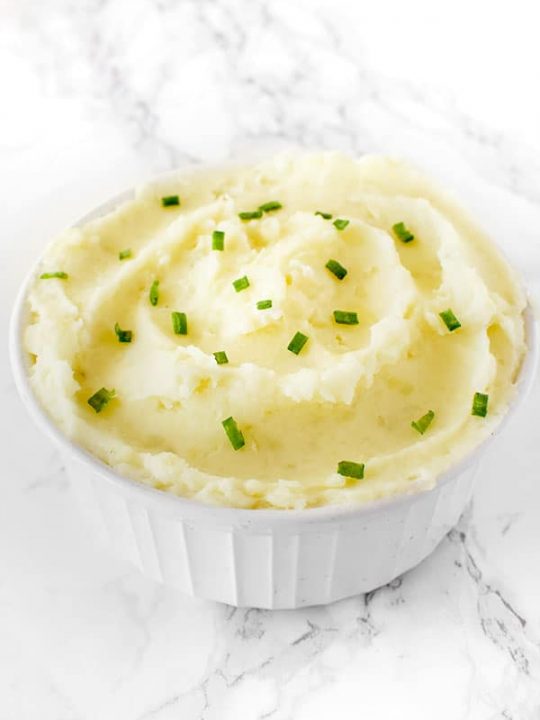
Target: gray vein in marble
(224, 28)
(52, 478)
(246, 648)
(508, 521)
(141, 614)
(501, 623)
(156, 710)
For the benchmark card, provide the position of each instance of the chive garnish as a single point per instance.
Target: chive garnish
(336, 268)
(221, 357)
(124, 336)
(218, 240)
(269, 206)
(345, 317)
(480, 404)
(101, 398)
(241, 284)
(325, 216)
(402, 233)
(60, 274)
(340, 223)
(450, 320)
(170, 201)
(351, 469)
(297, 343)
(123, 254)
(153, 295)
(422, 424)
(250, 214)
(179, 323)
(264, 304)
(233, 433)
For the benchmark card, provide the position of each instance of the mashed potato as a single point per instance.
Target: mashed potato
(348, 395)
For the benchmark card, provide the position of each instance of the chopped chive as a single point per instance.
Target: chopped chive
(218, 240)
(153, 295)
(250, 214)
(325, 216)
(480, 404)
(170, 201)
(123, 254)
(179, 323)
(101, 398)
(61, 275)
(402, 233)
(269, 206)
(221, 357)
(264, 304)
(351, 469)
(124, 336)
(297, 343)
(241, 284)
(340, 223)
(233, 433)
(422, 424)
(345, 317)
(450, 320)
(336, 268)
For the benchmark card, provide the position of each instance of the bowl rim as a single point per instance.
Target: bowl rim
(197, 508)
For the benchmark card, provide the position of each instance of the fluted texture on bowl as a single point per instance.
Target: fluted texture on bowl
(285, 564)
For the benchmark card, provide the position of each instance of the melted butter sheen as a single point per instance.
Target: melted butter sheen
(352, 391)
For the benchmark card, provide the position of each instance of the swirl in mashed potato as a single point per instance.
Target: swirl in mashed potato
(353, 390)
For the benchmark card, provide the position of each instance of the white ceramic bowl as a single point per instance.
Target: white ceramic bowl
(260, 558)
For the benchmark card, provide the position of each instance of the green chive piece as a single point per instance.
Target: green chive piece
(123, 254)
(241, 284)
(297, 343)
(250, 215)
(325, 216)
(402, 233)
(153, 295)
(480, 404)
(124, 336)
(450, 320)
(170, 201)
(179, 323)
(218, 240)
(336, 268)
(221, 357)
(340, 223)
(233, 433)
(351, 469)
(422, 424)
(345, 317)
(264, 304)
(101, 399)
(269, 206)
(61, 275)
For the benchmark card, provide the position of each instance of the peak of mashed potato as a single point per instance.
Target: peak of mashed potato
(353, 390)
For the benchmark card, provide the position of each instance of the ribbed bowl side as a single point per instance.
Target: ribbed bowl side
(284, 565)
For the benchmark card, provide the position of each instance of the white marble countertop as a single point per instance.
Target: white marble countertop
(98, 95)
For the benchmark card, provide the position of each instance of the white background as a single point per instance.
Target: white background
(98, 95)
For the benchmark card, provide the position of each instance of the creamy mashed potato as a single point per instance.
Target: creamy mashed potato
(349, 394)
